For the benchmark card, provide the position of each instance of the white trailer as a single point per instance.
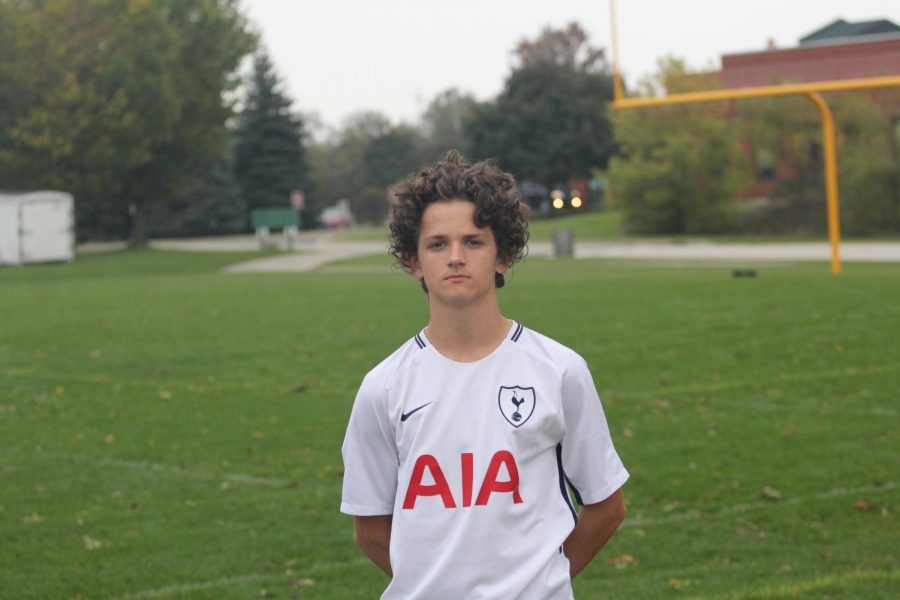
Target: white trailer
(36, 227)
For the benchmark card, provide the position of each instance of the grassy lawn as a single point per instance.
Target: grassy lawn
(167, 431)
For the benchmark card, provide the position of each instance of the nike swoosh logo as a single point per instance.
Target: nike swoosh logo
(405, 416)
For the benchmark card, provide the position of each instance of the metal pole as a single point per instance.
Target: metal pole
(618, 92)
(831, 186)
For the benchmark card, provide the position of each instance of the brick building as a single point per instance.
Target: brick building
(840, 50)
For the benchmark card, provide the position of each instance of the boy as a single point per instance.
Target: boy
(461, 444)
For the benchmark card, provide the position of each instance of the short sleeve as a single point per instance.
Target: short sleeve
(590, 462)
(370, 455)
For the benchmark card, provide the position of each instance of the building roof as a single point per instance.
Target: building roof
(842, 29)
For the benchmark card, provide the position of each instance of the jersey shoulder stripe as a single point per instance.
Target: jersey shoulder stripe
(420, 341)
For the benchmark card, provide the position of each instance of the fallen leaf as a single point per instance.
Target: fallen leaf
(95, 354)
(621, 561)
(225, 485)
(661, 404)
(32, 519)
(671, 506)
(258, 434)
(305, 582)
(165, 395)
(771, 493)
(628, 433)
(677, 584)
(109, 439)
(91, 544)
(863, 505)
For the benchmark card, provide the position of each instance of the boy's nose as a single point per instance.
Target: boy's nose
(457, 254)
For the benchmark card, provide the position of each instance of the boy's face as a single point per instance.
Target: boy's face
(457, 259)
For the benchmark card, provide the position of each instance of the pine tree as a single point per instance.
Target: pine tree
(213, 207)
(270, 160)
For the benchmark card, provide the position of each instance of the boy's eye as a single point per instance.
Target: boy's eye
(475, 242)
(436, 245)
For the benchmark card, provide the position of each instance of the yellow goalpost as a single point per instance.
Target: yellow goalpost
(812, 91)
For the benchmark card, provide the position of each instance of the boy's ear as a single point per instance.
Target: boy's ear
(414, 267)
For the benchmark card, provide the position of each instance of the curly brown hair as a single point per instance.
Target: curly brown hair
(498, 205)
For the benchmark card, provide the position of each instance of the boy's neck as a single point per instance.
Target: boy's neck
(467, 335)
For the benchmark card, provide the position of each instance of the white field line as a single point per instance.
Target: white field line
(695, 515)
(190, 387)
(143, 465)
(726, 384)
(170, 590)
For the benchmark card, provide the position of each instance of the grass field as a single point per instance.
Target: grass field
(170, 432)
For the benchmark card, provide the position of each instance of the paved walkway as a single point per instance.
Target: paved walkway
(800, 251)
(314, 249)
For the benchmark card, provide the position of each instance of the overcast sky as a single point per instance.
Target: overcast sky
(337, 57)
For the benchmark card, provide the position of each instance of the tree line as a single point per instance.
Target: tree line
(139, 110)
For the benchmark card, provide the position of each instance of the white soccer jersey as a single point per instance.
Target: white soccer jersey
(472, 460)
